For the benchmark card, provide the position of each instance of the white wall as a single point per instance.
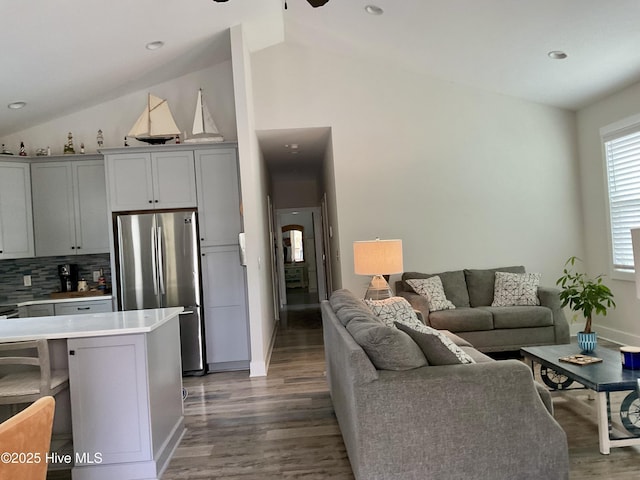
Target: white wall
(292, 190)
(621, 324)
(465, 178)
(116, 117)
(254, 184)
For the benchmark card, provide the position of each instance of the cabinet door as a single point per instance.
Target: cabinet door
(53, 210)
(109, 415)
(174, 181)
(218, 197)
(130, 181)
(225, 309)
(40, 310)
(16, 218)
(83, 308)
(92, 222)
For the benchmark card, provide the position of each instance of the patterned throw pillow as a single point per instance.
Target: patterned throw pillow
(516, 289)
(432, 289)
(437, 347)
(393, 309)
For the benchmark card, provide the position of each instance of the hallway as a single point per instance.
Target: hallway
(276, 427)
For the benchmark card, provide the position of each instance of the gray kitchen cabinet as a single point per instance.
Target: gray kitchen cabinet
(83, 308)
(218, 194)
(16, 217)
(225, 309)
(70, 207)
(140, 180)
(37, 310)
(70, 307)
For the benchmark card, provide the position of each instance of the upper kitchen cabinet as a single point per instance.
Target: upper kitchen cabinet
(219, 202)
(70, 207)
(16, 221)
(141, 180)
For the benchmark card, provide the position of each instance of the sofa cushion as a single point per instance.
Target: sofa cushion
(480, 284)
(461, 342)
(478, 357)
(432, 289)
(462, 320)
(438, 348)
(455, 287)
(516, 289)
(391, 309)
(344, 298)
(388, 348)
(520, 317)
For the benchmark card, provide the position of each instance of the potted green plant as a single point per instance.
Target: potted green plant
(586, 295)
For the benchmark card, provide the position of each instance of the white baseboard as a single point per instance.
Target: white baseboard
(260, 368)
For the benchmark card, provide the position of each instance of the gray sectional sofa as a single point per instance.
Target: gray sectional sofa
(479, 421)
(487, 328)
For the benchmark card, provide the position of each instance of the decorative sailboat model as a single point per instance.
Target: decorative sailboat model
(156, 124)
(204, 128)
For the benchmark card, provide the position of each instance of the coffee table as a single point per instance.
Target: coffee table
(602, 378)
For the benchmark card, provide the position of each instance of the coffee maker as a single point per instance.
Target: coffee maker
(68, 274)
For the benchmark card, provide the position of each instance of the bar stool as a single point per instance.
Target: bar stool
(27, 433)
(32, 378)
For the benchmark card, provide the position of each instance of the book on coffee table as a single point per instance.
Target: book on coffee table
(579, 359)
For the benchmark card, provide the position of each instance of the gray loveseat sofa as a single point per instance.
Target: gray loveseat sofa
(487, 328)
(479, 421)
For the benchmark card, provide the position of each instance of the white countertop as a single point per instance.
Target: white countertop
(39, 301)
(79, 326)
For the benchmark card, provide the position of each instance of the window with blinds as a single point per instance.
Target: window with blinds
(622, 153)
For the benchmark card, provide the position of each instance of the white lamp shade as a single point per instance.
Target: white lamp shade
(635, 239)
(377, 257)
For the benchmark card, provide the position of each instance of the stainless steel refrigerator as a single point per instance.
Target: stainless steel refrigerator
(159, 266)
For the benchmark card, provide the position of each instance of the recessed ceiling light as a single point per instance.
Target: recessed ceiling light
(293, 146)
(17, 105)
(373, 10)
(154, 45)
(557, 55)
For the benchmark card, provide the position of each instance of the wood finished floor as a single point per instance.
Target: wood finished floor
(283, 426)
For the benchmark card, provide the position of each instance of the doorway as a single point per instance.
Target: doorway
(300, 263)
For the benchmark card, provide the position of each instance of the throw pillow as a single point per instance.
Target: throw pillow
(516, 289)
(391, 309)
(432, 289)
(438, 348)
(387, 348)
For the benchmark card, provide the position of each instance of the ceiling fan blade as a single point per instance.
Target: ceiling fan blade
(317, 3)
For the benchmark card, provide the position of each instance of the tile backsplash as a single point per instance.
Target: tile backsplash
(44, 274)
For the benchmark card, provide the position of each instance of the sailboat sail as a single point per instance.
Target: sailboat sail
(155, 124)
(204, 128)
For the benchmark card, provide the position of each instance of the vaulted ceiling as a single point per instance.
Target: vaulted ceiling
(64, 56)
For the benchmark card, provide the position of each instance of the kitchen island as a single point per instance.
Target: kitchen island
(125, 382)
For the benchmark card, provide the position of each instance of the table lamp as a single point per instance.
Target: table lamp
(377, 257)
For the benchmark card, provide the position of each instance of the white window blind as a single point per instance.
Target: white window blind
(622, 151)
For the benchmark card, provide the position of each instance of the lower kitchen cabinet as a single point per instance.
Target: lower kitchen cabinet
(80, 308)
(84, 307)
(225, 309)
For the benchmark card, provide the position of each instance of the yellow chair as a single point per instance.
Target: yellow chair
(30, 376)
(24, 442)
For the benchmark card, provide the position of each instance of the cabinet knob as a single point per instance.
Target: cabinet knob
(78, 247)
(72, 247)
(72, 352)
(156, 201)
(150, 201)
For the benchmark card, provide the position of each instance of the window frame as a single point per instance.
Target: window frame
(610, 132)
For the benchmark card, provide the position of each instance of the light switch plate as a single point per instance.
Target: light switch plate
(27, 280)
(96, 275)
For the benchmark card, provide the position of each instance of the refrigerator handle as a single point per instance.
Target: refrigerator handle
(154, 259)
(160, 261)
